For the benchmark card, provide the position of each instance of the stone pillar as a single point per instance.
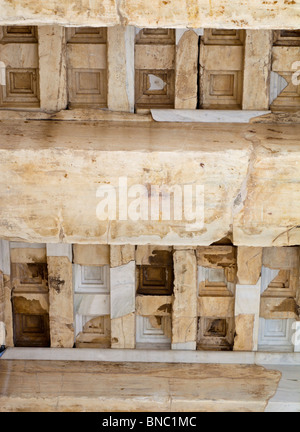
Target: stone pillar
(186, 74)
(257, 69)
(61, 314)
(122, 296)
(6, 320)
(184, 313)
(247, 298)
(52, 67)
(120, 55)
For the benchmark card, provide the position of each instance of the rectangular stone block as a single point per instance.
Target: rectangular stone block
(153, 305)
(91, 254)
(184, 314)
(123, 332)
(122, 290)
(218, 307)
(249, 263)
(61, 315)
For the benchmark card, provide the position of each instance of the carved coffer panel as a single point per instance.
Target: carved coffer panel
(221, 69)
(285, 81)
(154, 68)
(87, 67)
(216, 295)
(92, 306)
(30, 299)
(19, 57)
(156, 278)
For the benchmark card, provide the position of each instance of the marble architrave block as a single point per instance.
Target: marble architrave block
(122, 290)
(247, 305)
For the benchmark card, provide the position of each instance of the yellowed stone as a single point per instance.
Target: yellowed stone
(153, 305)
(184, 314)
(285, 258)
(28, 255)
(278, 308)
(249, 263)
(216, 256)
(120, 55)
(261, 207)
(145, 253)
(126, 387)
(52, 68)
(216, 307)
(121, 255)
(61, 316)
(201, 14)
(244, 325)
(123, 332)
(90, 255)
(257, 69)
(269, 195)
(186, 72)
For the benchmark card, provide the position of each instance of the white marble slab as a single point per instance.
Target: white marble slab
(20, 245)
(122, 290)
(60, 250)
(205, 116)
(267, 276)
(92, 304)
(2, 333)
(4, 257)
(168, 356)
(287, 396)
(296, 336)
(184, 346)
(247, 301)
(276, 335)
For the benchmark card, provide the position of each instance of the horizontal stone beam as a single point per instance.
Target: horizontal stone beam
(230, 14)
(55, 174)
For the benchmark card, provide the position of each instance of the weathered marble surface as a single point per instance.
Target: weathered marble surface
(154, 13)
(122, 290)
(249, 172)
(93, 386)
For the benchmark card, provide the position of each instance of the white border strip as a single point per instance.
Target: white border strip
(151, 356)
